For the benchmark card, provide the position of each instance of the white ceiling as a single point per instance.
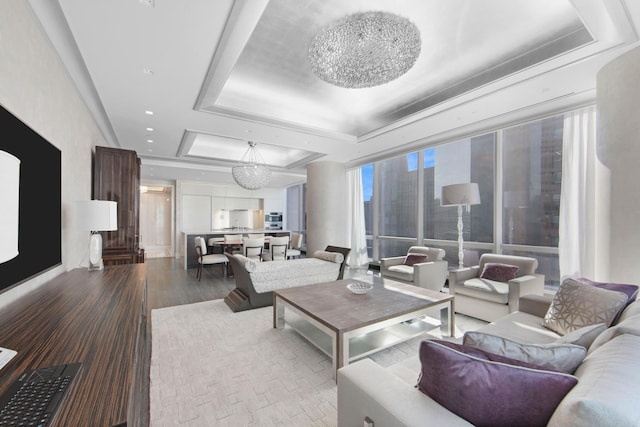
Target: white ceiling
(217, 74)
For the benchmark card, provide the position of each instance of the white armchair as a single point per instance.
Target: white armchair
(487, 299)
(430, 274)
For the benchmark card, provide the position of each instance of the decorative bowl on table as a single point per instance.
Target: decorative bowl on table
(359, 288)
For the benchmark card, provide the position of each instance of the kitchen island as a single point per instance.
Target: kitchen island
(189, 251)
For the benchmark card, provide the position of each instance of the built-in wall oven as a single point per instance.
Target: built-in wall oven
(273, 221)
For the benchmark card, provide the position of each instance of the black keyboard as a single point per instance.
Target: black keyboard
(32, 399)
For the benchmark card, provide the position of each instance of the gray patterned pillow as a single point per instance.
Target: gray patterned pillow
(559, 357)
(577, 305)
(583, 336)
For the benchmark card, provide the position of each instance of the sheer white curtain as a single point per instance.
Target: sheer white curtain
(356, 226)
(578, 195)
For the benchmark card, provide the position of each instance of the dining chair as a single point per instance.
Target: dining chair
(208, 259)
(234, 242)
(294, 249)
(213, 243)
(252, 248)
(277, 249)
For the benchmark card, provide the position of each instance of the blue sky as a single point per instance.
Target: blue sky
(412, 165)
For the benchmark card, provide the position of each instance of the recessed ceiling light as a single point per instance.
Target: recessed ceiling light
(149, 129)
(149, 150)
(150, 141)
(149, 112)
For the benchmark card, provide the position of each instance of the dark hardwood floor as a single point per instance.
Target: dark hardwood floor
(169, 284)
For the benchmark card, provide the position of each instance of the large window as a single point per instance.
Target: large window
(532, 175)
(532, 170)
(398, 203)
(398, 178)
(296, 216)
(467, 160)
(367, 190)
(518, 171)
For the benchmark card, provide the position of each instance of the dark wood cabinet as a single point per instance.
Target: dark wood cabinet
(117, 177)
(99, 319)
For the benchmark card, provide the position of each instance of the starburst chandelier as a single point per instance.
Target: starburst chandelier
(252, 173)
(365, 49)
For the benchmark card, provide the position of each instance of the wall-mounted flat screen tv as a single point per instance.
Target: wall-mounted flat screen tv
(30, 202)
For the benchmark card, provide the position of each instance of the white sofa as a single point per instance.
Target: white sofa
(606, 394)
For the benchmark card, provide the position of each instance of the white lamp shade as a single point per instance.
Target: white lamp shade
(9, 205)
(96, 215)
(460, 194)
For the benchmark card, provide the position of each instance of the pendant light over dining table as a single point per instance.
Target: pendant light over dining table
(252, 173)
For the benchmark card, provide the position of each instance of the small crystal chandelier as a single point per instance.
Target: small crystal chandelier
(365, 49)
(252, 174)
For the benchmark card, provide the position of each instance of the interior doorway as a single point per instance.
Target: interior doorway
(156, 221)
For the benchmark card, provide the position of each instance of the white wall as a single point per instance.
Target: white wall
(326, 205)
(36, 87)
(618, 101)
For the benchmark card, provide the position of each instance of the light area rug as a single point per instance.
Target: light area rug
(213, 367)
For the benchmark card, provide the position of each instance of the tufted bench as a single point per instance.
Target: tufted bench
(256, 281)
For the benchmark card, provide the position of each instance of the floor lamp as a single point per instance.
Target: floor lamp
(514, 200)
(460, 195)
(96, 216)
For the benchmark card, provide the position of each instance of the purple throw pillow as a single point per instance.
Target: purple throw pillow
(499, 272)
(412, 258)
(631, 291)
(490, 390)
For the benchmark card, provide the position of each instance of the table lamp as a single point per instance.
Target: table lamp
(95, 216)
(460, 195)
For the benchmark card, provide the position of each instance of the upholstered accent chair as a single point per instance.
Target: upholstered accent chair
(207, 259)
(492, 288)
(422, 266)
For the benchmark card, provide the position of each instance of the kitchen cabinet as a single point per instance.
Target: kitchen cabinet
(234, 203)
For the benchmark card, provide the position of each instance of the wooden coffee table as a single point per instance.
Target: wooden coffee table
(347, 326)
